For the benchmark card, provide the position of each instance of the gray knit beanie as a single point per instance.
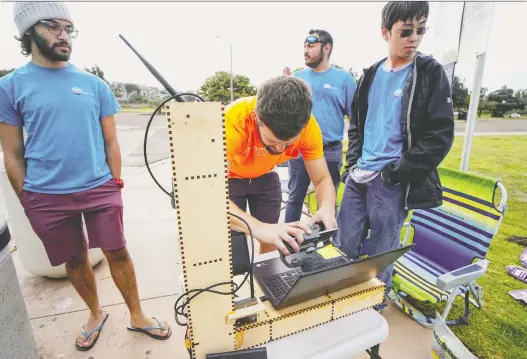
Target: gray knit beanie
(28, 13)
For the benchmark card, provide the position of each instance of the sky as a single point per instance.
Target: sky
(188, 42)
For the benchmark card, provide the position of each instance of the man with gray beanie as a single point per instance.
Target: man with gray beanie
(68, 171)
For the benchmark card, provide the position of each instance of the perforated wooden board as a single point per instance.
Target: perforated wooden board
(275, 324)
(199, 166)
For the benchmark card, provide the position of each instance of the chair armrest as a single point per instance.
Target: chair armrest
(463, 275)
(407, 234)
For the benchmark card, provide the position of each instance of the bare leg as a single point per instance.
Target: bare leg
(123, 274)
(81, 275)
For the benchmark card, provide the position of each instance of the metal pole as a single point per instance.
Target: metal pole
(232, 89)
(472, 111)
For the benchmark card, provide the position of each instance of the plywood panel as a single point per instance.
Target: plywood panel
(253, 336)
(296, 322)
(361, 300)
(199, 170)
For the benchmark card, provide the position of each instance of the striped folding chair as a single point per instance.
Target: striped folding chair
(450, 246)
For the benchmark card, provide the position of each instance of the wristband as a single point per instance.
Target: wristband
(119, 182)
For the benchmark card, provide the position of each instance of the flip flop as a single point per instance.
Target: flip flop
(145, 330)
(519, 294)
(87, 335)
(517, 272)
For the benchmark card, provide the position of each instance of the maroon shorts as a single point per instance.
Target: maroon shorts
(57, 219)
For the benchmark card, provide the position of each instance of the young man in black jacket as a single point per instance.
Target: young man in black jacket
(401, 128)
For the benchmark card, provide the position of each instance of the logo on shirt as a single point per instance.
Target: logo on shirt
(328, 86)
(398, 93)
(78, 91)
(448, 100)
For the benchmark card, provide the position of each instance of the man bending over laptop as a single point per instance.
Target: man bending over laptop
(262, 132)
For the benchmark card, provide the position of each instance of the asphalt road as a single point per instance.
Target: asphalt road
(157, 145)
(131, 129)
(482, 126)
(495, 126)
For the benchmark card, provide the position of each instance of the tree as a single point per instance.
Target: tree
(336, 66)
(460, 94)
(503, 94)
(218, 88)
(504, 100)
(521, 95)
(132, 89)
(5, 72)
(96, 70)
(483, 104)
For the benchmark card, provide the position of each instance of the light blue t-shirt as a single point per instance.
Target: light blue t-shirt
(332, 93)
(383, 137)
(61, 110)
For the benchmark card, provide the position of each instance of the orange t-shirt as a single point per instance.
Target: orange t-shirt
(245, 150)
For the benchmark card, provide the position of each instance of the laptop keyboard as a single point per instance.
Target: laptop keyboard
(280, 284)
(328, 264)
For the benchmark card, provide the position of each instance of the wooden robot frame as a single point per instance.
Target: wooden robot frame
(199, 170)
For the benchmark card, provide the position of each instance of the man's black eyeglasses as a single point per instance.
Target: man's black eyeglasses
(408, 32)
(313, 40)
(56, 29)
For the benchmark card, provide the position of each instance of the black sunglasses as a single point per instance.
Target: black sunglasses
(409, 32)
(313, 40)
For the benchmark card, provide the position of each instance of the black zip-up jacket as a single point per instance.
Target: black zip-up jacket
(428, 131)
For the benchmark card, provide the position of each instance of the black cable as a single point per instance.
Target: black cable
(179, 310)
(148, 127)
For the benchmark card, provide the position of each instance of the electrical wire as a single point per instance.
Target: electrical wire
(145, 142)
(179, 310)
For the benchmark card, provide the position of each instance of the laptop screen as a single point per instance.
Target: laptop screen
(334, 279)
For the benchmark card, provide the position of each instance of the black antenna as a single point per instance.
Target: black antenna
(154, 72)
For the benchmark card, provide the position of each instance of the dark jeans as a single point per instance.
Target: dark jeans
(263, 195)
(299, 180)
(377, 206)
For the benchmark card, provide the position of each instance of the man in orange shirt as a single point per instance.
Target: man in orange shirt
(262, 132)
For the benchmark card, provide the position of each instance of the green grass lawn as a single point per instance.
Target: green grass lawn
(499, 330)
(487, 116)
(148, 110)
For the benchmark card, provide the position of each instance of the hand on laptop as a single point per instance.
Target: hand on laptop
(275, 234)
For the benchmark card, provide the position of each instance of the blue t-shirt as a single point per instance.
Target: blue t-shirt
(61, 110)
(383, 137)
(332, 93)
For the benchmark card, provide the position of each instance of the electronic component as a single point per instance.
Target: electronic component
(245, 311)
(307, 257)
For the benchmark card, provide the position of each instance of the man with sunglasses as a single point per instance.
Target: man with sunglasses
(332, 91)
(68, 170)
(262, 132)
(401, 128)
